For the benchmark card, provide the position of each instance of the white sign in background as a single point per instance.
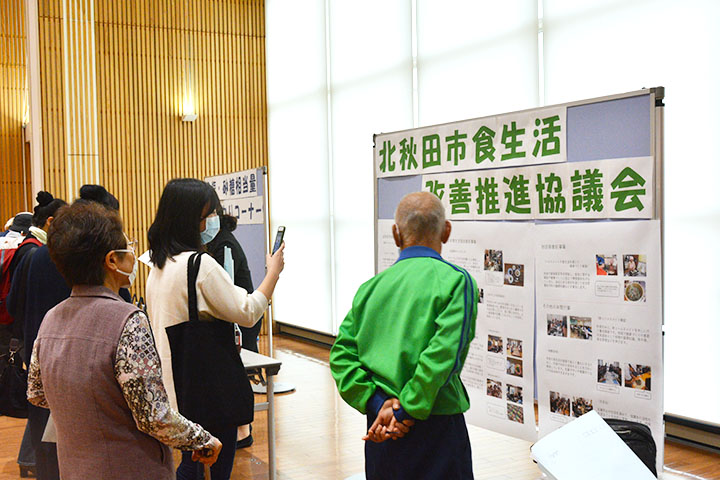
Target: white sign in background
(248, 211)
(239, 195)
(599, 323)
(232, 186)
(510, 140)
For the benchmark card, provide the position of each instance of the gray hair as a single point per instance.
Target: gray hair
(420, 216)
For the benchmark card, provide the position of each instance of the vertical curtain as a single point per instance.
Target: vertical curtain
(601, 47)
(339, 72)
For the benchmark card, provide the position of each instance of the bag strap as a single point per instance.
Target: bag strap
(192, 273)
(31, 240)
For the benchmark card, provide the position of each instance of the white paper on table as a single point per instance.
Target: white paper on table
(50, 434)
(498, 372)
(588, 448)
(597, 349)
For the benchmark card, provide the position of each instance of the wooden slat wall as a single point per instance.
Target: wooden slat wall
(142, 53)
(50, 28)
(81, 123)
(15, 188)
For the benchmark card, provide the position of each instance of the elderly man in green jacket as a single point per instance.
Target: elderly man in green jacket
(401, 348)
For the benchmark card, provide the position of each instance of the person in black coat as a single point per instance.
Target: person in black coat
(216, 248)
(243, 279)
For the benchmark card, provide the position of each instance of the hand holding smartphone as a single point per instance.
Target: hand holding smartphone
(278, 238)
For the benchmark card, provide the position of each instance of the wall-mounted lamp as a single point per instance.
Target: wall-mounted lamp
(188, 108)
(188, 103)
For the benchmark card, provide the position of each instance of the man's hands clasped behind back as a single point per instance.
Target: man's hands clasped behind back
(386, 426)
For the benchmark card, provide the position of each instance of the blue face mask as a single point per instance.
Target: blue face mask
(212, 227)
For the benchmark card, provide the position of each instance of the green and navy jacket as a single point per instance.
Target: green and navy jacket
(407, 336)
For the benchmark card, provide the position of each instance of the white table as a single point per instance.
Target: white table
(271, 366)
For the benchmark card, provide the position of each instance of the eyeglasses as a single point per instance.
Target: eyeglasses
(131, 244)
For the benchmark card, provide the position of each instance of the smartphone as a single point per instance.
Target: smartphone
(278, 239)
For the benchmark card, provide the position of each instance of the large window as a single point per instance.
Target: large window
(340, 71)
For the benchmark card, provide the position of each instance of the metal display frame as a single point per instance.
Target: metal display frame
(656, 124)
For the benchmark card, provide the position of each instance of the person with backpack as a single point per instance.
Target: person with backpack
(9, 244)
(30, 233)
(35, 229)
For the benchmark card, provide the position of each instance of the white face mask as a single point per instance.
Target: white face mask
(131, 275)
(212, 227)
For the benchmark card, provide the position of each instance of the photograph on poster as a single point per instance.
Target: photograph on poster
(514, 274)
(605, 264)
(581, 327)
(556, 325)
(609, 372)
(581, 406)
(635, 291)
(638, 376)
(514, 367)
(514, 347)
(515, 413)
(559, 404)
(635, 265)
(495, 344)
(514, 394)
(494, 388)
(493, 260)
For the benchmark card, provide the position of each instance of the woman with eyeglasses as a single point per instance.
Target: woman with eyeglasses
(94, 362)
(186, 220)
(37, 287)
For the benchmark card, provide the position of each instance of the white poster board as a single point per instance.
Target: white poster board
(498, 373)
(602, 169)
(599, 323)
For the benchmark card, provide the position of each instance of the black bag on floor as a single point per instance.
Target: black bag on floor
(211, 385)
(13, 383)
(639, 438)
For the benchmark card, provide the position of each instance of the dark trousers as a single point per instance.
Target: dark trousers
(26, 455)
(221, 470)
(46, 461)
(436, 448)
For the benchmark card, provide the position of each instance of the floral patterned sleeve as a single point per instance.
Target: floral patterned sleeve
(138, 371)
(35, 391)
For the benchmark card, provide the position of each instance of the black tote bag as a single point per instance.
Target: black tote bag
(211, 385)
(13, 383)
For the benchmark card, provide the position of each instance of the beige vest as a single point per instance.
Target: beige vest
(97, 435)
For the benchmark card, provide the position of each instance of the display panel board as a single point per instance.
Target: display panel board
(597, 188)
